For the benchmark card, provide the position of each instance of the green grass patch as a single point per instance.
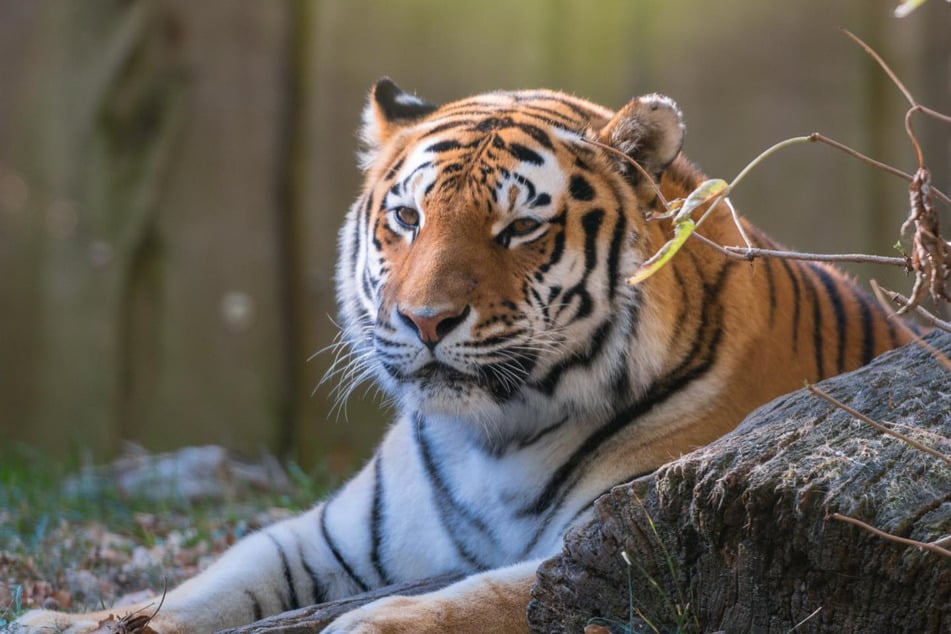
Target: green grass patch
(81, 547)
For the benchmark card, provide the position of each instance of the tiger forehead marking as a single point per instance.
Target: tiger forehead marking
(493, 169)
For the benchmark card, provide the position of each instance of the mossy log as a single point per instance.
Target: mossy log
(739, 535)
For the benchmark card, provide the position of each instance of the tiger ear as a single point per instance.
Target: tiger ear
(649, 129)
(388, 110)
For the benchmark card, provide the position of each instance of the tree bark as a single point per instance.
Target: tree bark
(739, 536)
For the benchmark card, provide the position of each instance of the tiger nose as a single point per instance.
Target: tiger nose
(432, 326)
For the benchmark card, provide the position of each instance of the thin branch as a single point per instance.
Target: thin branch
(911, 100)
(919, 155)
(640, 168)
(932, 547)
(821, 138)
(763, 155)
(901, 300)
(885, 430)
(738, 224)
(749, 254)
(932, 113)
(888, 71)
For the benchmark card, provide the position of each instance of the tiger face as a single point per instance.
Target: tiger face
(483, 265)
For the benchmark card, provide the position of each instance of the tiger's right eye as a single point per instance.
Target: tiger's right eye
(407, 216)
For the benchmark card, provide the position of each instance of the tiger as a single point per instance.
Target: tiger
(482, 283)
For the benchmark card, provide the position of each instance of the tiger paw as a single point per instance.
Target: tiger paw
(392, 615)
(427, 614)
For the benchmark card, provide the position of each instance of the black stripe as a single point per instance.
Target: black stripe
(390, 173)
(451, 511)
(549, 382)
(591, 222)
(288, 580)
(579, 108)
(541, 200)
(771, 286)
(816, 323)
(580, 188)
(525, 154)
(614, 253)
(376, 523)
(655, 395)
(623, 481)
(256, 610)
(443, 146)
(868, 327)
(832, 292)
(545, 115)
(449, 125)
(361, 584)
(558, 246)
(537, 133)
(892, 333)
(538, 435)
(317, 592)
(681, 321)
(698, 360)
(794, 281)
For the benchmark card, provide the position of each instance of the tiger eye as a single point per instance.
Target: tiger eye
(407, 216)
(522, 226)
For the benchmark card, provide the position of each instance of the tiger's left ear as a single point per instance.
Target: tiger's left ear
(388, 110)
(649, 129)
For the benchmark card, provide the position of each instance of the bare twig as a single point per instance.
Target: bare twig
(640, 168)
(885, 430)
(744, 253)
(807, 619)
(878, 58)
(821, 138)
(931, 547)
(932, 113)
(900, 300)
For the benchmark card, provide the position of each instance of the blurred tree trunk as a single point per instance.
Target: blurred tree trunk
(102, 121)
(152, 141)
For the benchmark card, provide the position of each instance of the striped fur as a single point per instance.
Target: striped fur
(481, 283)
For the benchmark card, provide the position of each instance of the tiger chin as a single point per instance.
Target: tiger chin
(481, 282)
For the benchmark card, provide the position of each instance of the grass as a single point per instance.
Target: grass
(82, 548)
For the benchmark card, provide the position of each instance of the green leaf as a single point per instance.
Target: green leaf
(684, 225)
(705, 192)
(682, 230)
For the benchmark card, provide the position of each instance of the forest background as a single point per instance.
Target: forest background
(173, 174)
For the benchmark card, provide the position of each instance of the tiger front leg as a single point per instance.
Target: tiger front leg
(493, 601)
(279, 568)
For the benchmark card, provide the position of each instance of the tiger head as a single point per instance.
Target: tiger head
(482, 270)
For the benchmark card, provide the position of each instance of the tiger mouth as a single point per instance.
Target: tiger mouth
(438, 372)
(501, 384)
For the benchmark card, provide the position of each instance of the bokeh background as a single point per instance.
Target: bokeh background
(173, 173)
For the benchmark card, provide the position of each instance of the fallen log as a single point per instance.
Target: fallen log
(739, 536)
